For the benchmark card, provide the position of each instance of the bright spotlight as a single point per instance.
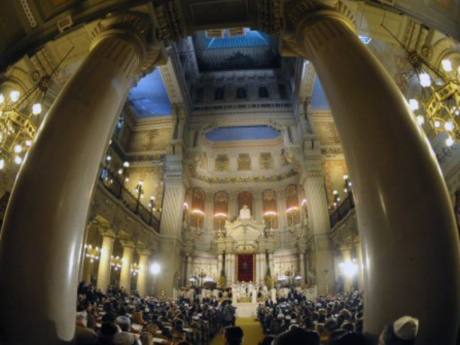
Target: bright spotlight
(348, 268)
(155, 268)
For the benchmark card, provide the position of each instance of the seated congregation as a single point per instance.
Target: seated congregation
(117, 318)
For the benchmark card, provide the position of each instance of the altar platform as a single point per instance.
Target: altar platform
(246, 309)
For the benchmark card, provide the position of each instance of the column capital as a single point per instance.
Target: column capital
(144, 252)
(171, 25)
(105, 232)
(127, 244)
(301, 35)
(135, 28)
(312, 175)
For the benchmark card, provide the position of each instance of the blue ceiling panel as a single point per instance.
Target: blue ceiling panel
(242, 133)
(319, 100)
(149, 96)
(251, 38)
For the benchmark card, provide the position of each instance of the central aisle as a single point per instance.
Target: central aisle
(252, 332)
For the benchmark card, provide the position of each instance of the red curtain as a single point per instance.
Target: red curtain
(245, 268)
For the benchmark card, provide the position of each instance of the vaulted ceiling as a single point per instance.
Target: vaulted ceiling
(25, 25)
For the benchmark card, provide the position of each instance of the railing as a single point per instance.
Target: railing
(249, 105)
(112, 183)
(342, 210)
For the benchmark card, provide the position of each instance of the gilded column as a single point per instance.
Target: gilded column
(390, 159)
(126, 261)
(103, 273)
(143, 275)
(63, 165)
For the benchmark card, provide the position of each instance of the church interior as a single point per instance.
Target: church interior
(172, 162)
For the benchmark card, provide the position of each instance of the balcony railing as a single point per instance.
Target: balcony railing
(342, 210)
(112, 183)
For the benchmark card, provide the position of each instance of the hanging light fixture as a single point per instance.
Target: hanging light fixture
(19, 117)
(436, 100)
(436, 104)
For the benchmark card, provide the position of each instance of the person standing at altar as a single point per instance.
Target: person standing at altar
(245, 213)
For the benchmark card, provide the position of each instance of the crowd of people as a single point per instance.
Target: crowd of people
(333, 320)
(117, 318)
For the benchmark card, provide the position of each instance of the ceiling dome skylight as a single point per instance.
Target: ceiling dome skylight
(149, 96)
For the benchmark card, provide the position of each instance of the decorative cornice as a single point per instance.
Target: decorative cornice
(269, 16)
(240, 179)
(302, 19)
(169, 21)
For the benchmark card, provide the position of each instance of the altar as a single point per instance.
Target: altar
(244, 245)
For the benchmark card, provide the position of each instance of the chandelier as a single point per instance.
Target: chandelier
(18, 122)
(19, 117)
(436, 104)
(436, 97)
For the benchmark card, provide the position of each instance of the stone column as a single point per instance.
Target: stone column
(103, 273)
(143, 275)
(171, 225)
(319, 223)
(231, 268)
(63, 165)
(126, 261)
(402, 203)
(302, 266)
(220, 264)
(263, 268)
(271, 264)
(257, 276)
(189, 268)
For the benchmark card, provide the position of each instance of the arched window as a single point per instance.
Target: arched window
(263, 92)
(292, 205)
(241, 93)
(199, 95)
(282, 91)
(220, 209)
(270, 209)
(219, 94)
(197, 209)
(245, 198)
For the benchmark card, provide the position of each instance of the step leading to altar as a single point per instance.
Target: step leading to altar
(246, 309)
